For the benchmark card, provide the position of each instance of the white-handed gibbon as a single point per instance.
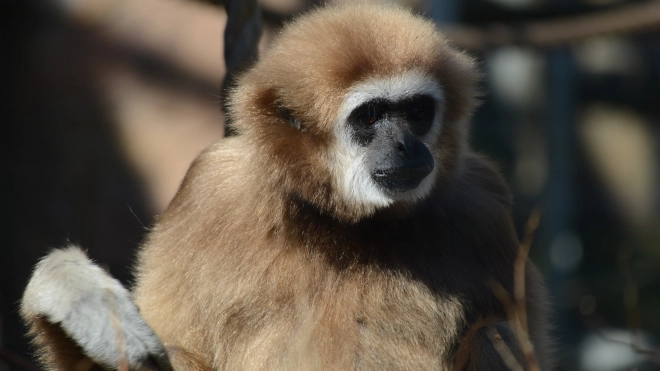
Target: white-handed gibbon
(347, 226)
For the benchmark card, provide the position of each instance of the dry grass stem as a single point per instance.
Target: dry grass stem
(503, 349)
(631, 298)
(516, 307)
(122, 364)
(519, 331)
(520, 266)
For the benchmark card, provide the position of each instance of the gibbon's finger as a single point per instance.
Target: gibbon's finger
(94, 310)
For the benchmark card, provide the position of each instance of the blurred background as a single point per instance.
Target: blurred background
(105, 103)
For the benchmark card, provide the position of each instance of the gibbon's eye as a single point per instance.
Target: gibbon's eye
(369, 115)
(419, 112)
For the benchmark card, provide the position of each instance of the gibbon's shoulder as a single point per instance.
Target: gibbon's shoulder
(478, 188)
(220, 161)
(223, 168)
(485, 176)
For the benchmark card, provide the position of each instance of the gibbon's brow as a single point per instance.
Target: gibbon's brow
(394, 88)
(399, 104)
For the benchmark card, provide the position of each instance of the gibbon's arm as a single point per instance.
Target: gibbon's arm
(81, 317)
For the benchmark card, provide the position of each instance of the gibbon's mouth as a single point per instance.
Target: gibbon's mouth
(401, 179)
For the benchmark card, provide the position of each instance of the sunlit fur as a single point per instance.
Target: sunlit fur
(266, 259)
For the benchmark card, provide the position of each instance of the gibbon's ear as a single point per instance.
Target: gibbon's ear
(81, 317)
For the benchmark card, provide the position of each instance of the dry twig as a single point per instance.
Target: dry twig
(119, 333)
(516, 307)
(504, 350)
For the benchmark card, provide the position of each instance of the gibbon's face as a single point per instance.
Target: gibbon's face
(357, 108)
(387, 128)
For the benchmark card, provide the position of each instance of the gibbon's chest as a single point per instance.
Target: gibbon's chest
(367, 319)
(405, 301)
(371, 296)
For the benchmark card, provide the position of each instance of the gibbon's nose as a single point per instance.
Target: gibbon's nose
(405, 144)
(405, 168)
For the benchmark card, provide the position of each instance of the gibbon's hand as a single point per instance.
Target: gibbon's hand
(94, 310)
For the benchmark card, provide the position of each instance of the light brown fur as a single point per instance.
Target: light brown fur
(260, 264)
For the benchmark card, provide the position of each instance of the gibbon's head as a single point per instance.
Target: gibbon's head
(357, 108)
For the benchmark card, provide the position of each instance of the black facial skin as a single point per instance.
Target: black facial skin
(390, 131)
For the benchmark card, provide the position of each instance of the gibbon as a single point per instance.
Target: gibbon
(348, 226)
